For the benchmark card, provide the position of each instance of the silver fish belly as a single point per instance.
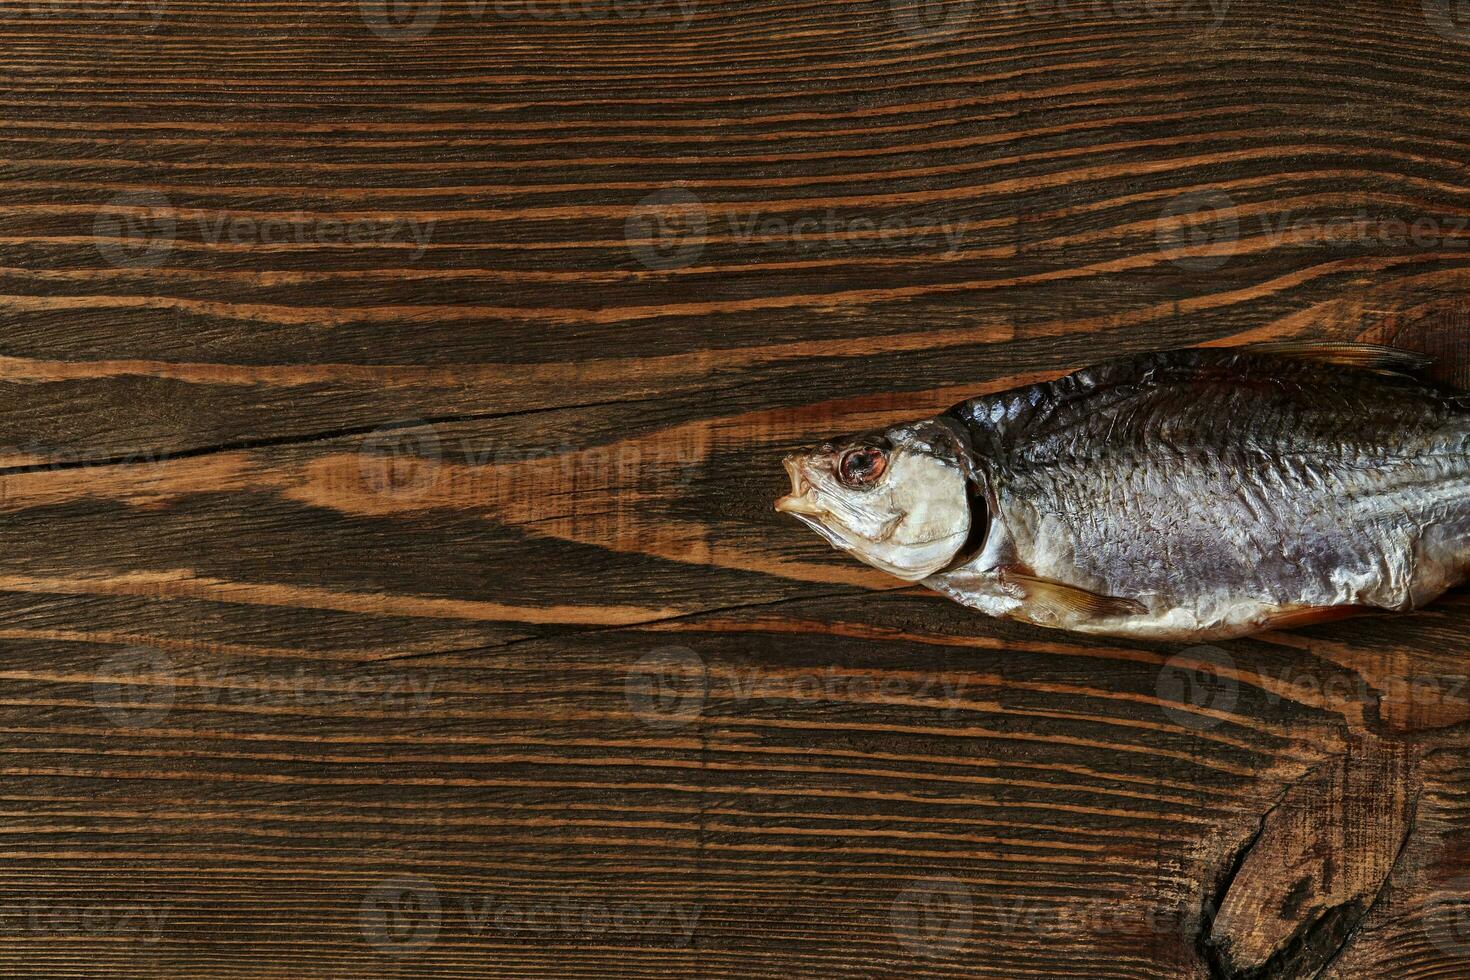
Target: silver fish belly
(1219, 493)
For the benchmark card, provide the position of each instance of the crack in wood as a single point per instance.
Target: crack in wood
(147, 457)
(1294, 894)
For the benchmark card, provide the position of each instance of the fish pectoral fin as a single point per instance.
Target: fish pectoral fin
(1370, 357)
(1066, 601)
(1292, 617)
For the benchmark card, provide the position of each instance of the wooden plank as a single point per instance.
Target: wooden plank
(391, 405)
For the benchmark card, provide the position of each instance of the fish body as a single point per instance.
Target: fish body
(1190, 494)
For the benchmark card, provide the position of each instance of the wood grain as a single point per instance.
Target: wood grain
(391, 400)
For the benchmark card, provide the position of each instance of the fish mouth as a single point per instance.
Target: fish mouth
(800, 502)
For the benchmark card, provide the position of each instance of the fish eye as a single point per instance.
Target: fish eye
(861, 467)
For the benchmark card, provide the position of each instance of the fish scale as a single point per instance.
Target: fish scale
(1245, 480)
(1179, 494)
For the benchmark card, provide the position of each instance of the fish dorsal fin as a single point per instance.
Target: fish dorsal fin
(1369, 357)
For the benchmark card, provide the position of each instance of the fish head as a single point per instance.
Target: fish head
(897, 498)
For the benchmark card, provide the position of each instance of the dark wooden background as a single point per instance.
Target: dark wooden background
(391, 404)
